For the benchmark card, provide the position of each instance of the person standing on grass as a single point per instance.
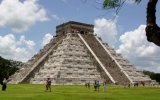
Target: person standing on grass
(4, 84)
(48, 84)
(104, 85)
(87, 84)
(98, 85)
(95, 85)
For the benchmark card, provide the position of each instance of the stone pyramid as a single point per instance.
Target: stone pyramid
(74, 56)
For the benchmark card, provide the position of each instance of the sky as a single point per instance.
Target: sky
(27, 25)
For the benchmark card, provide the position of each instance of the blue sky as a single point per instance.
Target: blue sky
(27, 25)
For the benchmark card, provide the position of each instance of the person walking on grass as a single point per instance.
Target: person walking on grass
(48, 84)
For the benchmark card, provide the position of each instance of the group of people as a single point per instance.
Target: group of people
(48, 85)
(87, 85)
(97, 85)
(135, 84)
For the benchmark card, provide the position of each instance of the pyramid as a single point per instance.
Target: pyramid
(75, 56)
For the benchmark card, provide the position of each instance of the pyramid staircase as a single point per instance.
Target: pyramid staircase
(33, 64)
(75, 56)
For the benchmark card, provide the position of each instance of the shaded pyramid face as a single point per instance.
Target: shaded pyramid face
(75, 56)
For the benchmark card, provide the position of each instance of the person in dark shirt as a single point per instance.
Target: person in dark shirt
(48, 84)
(95, 85)
(4, 84)
(98, 85)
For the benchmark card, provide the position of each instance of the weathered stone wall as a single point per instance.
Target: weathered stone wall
(72, 27)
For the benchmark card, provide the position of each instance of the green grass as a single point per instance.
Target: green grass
(36, 92)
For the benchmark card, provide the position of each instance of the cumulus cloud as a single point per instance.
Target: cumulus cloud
(107, 29)
(46, 39)
(30, 44)
(20, 50)
(20, 15)
(139, 51)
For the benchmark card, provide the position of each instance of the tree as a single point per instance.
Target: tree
(153, 76)
(152, 29)
(8, 67)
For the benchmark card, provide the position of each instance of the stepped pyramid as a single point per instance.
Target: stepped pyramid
(75, 55)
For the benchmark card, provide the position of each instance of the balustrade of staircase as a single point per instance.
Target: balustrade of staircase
(105, 58)
(20, 74)
(132, 72)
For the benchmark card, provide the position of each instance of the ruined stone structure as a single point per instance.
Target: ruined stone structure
(75, 55)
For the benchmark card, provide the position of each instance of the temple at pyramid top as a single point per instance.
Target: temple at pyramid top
(73, 27)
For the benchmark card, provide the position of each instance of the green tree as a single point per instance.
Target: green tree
(8, 67)
(153, 76)
(152, 29)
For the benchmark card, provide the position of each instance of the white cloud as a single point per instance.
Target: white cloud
(139, 51)
(20, 50)
(30, 44)
(55, 17)
(106, 29)
(46, 39)
(19, 16)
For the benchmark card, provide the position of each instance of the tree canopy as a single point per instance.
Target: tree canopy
(153, 76)
(8, 67)
(109, 4)
(152, 29)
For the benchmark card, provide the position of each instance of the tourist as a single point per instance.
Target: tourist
(95, 85)
(135, 84)
(98, 85)
(48, 84)
(104, 85)
(4, 84)
(87, 84)
(143, 83)
(127, 84)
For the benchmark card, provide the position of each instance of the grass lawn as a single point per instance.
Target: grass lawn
(36, 92)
